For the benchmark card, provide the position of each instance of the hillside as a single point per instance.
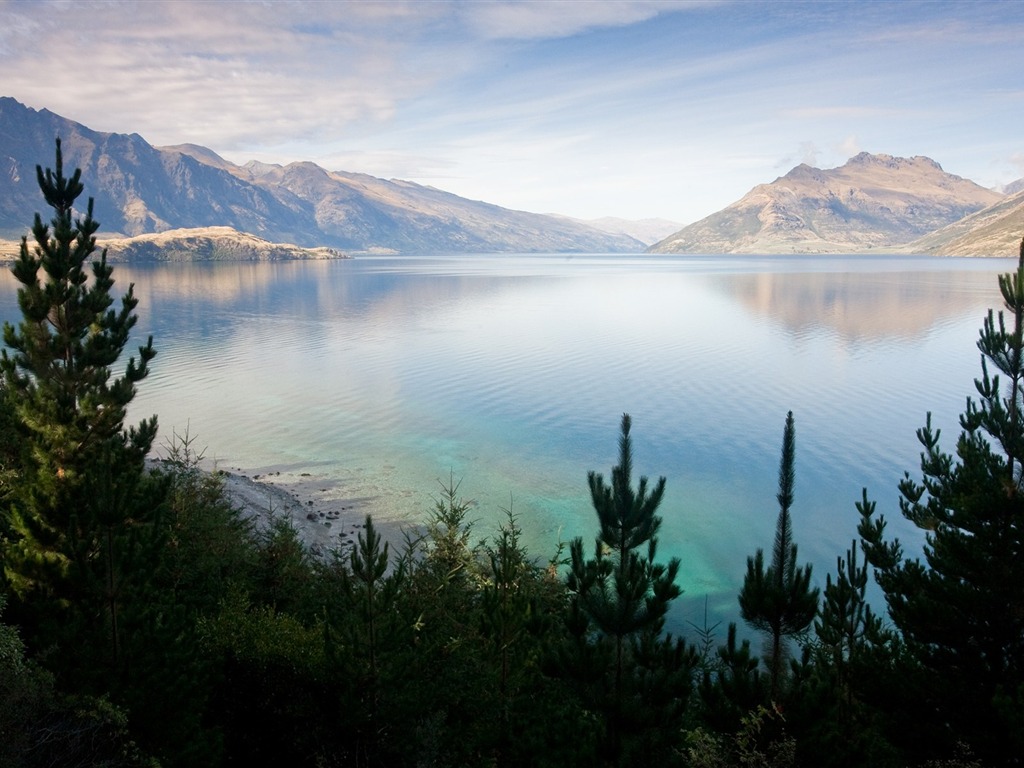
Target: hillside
(647, 231)
(872, 203)
(992, 231)
(209, 244)
(141, 189)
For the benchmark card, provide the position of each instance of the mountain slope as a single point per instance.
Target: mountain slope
(137, 188)
(647, 231)
(141, 189)
(992, 231)
(352, 208)
(1013, 187)
(873, 202)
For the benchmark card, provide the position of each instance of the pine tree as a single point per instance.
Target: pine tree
(852, 668)
(961, 609)
(441, 685)
(621, 596)
(779, 601)
(82, 510)
(506, 616)
(733, 687)
(85, 548)
(371, 594)
(521, 603)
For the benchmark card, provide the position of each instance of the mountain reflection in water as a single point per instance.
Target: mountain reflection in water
(860, 307)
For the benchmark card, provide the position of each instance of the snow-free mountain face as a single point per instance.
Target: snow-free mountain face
(137, 188)
(140, 189)
(872, 203)
(647, 231)
(993, 231)
(1013, 187)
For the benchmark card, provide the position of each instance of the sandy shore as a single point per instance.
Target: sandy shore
(324, 518)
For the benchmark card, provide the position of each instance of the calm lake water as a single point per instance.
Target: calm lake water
(384, 376)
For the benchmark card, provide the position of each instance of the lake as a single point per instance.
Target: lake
(385, 376)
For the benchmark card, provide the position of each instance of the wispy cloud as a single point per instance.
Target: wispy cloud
(847, 112)
(230, 73)
(517, 19)
(643, 108)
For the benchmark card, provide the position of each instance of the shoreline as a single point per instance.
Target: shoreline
(323, 517)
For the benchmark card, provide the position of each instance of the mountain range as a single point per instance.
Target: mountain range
(187, 202)
(140, 189)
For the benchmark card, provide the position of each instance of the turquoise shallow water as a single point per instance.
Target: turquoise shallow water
(510, 373)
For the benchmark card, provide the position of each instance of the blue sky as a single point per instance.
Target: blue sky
(613, 108)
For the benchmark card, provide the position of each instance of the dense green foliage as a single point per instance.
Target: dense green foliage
(79, 467)
(961, 611)
(144, 622)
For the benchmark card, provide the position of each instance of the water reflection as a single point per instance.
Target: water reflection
(859, 306)
(856, 299)
(322, 290)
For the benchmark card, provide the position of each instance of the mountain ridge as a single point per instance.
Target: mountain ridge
(141, 189)
(992, 231)
(874, 203)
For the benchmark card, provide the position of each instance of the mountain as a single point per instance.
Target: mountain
(647, 231)
(141, 189)
(872, 203)
(137, 188)
(992, 231)
(1013, 187)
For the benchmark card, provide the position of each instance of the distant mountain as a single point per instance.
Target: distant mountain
(647, 231)
(1013, 187)
(993, 231)
(872, 203)
(142, 189)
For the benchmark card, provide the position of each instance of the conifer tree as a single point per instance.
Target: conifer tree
(621, 596)
(80, 511)
(84, 549)
(734, 687)
(367, 633)
(961, 609)
(852, 668)
(507, 611)
(520, 605)
(779, 600)
(446, 663)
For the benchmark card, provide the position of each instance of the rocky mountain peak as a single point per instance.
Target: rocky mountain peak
(804, 172)
(892, 163)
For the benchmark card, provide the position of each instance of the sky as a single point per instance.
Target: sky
(628, 108)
